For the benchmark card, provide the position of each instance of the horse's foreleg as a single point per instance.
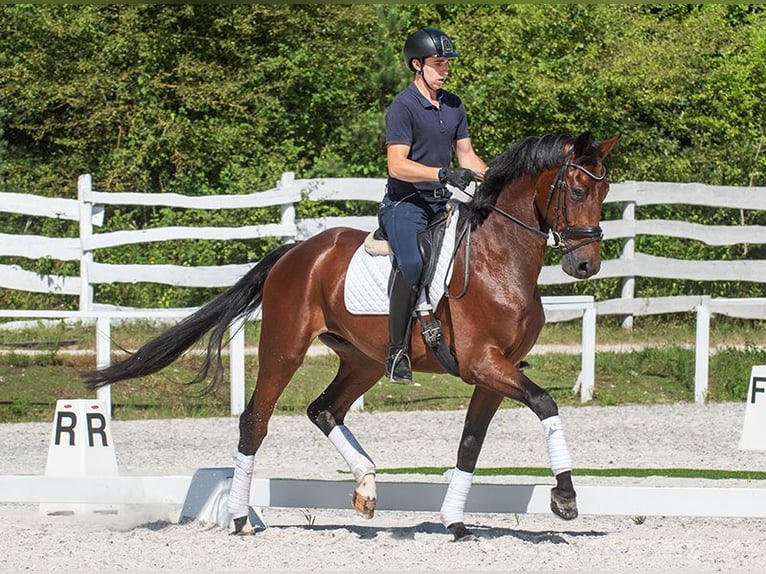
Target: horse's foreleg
(481, 409)
(355, 376)
(563, 495)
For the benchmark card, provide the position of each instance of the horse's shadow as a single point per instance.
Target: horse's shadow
(409, 532)
(481, 532)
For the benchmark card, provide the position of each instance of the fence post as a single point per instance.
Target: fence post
(588, 369)
(358, 404)
(702, 350)
(287, 210)
(104, 357)
(237, 366)
(84, 186)
(629, 253)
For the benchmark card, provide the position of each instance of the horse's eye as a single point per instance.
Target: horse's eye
(578, 193)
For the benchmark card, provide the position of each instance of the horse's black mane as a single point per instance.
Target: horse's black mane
(530, 155)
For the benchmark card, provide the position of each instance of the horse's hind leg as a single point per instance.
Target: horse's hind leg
(274, 373)
(356, 375)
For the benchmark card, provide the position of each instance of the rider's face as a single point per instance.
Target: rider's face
(436, 71)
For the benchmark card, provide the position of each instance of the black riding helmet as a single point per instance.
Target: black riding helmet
(428, 42)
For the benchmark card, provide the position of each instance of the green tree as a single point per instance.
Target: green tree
(211, 98)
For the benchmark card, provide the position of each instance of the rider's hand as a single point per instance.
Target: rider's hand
(460, 177)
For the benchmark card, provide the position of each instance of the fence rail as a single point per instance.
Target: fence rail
(90, 207)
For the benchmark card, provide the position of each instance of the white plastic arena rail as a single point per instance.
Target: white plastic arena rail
(204, 496)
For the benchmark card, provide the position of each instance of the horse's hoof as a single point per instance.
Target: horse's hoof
(562, 505)
(460, 532)
(364, 505)
(365, 496)
(241, 527)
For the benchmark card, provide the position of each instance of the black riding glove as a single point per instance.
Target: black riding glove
(460, 177)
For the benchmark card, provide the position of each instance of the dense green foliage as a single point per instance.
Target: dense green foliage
(208, 99)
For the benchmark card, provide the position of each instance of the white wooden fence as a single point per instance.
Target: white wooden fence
(89, 209)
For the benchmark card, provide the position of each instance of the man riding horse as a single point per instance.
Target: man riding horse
(423, 126)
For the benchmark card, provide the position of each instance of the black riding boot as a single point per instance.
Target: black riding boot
(403, 299)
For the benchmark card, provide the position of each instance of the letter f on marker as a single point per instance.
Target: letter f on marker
(756, 388)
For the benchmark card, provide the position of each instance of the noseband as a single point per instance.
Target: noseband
(560, 239)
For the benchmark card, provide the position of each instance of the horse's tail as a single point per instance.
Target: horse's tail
(240, 300)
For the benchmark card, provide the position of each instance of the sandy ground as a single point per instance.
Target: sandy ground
(151, 539)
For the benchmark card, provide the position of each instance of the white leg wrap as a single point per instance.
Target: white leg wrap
(558, 452)
(352, 452)
(457, 494)
(239, 494)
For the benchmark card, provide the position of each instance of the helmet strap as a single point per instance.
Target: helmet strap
(422, 73)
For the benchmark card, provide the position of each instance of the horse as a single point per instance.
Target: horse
(542, 187)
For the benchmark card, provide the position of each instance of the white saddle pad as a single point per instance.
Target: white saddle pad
(366, 288)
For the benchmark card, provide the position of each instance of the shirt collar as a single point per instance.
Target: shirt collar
(424, 101)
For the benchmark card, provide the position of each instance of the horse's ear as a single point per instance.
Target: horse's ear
(606, 146)
(582, 144)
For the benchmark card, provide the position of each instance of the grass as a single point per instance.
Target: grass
(708, 473)
(660, 372)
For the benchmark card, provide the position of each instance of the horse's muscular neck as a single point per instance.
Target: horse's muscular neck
(518, 200)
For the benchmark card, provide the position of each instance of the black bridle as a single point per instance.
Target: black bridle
(591, 233)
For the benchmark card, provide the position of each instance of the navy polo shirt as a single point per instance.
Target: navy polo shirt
(430, 132)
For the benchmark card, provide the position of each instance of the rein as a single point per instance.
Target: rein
(592, 233)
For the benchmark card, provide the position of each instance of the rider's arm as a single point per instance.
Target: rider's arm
(404, 169)
(468, 158)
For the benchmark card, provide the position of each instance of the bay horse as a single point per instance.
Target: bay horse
(491, 316)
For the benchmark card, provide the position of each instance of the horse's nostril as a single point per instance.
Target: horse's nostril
(588, 269)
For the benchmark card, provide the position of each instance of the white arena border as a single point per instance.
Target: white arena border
(204, 495)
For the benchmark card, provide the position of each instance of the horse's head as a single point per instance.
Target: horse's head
(560, 180)
(570, 203)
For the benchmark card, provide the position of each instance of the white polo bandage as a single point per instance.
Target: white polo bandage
(457, 494)
(239, 493)
(558, 452)
(352, 452)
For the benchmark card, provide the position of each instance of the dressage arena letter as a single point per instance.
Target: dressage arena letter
(81, 445)
(754, 429)
(67, 421)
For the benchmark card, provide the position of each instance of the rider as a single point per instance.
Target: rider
(424, 125)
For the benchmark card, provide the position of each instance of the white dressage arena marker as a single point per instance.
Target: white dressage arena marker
(81, 445)
(754, 428)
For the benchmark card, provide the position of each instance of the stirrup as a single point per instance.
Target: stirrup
(398, 368)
